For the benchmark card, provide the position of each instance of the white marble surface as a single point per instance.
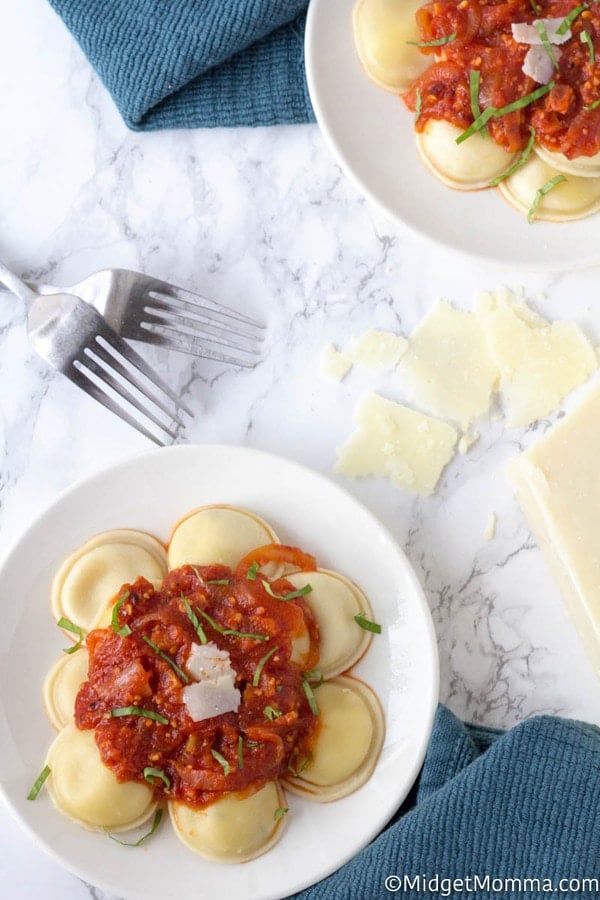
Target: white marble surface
(265, 221)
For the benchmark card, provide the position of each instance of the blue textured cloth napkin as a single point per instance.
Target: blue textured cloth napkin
(196, 63)
(518, 810)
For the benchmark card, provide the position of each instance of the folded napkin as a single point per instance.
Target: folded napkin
(511, 806)
(196, 63)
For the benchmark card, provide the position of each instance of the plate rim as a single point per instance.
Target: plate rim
(430, 702)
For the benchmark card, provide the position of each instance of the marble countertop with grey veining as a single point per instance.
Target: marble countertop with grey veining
(264, 221)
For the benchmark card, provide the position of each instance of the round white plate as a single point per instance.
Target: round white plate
(151, 492)
(371, 135)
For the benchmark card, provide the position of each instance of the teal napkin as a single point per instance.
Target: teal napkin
(196, 63)
(505, 807)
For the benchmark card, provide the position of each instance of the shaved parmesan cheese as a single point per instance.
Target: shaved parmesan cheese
(333, 364)
(406, 446)
(379, 351)
(214, 693)
(538, 65)
(523, 33)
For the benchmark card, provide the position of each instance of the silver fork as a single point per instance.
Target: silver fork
(142, 308)
(74, 338)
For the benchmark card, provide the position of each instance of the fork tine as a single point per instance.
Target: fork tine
(165, 336)
(105, 352)
(80, 375)
(117, 347)
(223, 332)
(209, 333)
(196, 302)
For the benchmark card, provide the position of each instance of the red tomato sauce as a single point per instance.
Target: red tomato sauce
(484, 43)
(274, 728)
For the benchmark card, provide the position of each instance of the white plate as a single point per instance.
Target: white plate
(371, 135)
(151, 492)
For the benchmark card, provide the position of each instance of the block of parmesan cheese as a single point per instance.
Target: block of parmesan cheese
(393, 441)
(540, 362)
(557, 482)
(448, 365)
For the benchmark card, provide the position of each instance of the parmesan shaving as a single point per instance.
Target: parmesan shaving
(538, 65)
(333, 364)
(214, 693)
(523, 33)
(379, 351)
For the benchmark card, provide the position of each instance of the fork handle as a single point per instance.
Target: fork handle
(16, 284)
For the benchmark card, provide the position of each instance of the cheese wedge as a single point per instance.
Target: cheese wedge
(557, 482)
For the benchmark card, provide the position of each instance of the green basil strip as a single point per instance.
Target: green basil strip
(497, 112)
(541, 30)
(124, 630)
(38, 783)
(240, 752)
(253, 571)
(478, 125)
(474, 80)
(222, 761)
(535, 7)
(522, 102)
(568, 20)
(138, 711)
(438, 42)
(232, 631)
(418, 108)
(541, 192)
(310, 697)
(365, 623)
(315, 676)
(219, 581)
(150, 774)
(194, 620)
(292, 594)
(592, 106)
(155, 823)
(526, 153)
(586, 38)
(271, 713)
(280, 812)
(75, 629)
(261, 665)
(303, 764)
(167, 659)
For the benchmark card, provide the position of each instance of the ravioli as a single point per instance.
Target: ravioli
(85, 790)
(382, 31)
(61, 686)
(348, 744)
(217, 534)
(97, 569)
(468, 166)
(334, 601)
(235, 829)
(571, 198)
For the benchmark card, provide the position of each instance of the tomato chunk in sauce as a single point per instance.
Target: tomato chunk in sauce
(565, 119)
(274, 727)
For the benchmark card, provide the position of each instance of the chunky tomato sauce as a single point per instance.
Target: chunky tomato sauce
(484, 43)
(274, 727)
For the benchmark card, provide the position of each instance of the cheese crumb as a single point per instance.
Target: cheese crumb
(391, 440)
(448, 365)
(467, 441)
(490, 529)
(379, 351)
(540, 362)
(333, 364)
